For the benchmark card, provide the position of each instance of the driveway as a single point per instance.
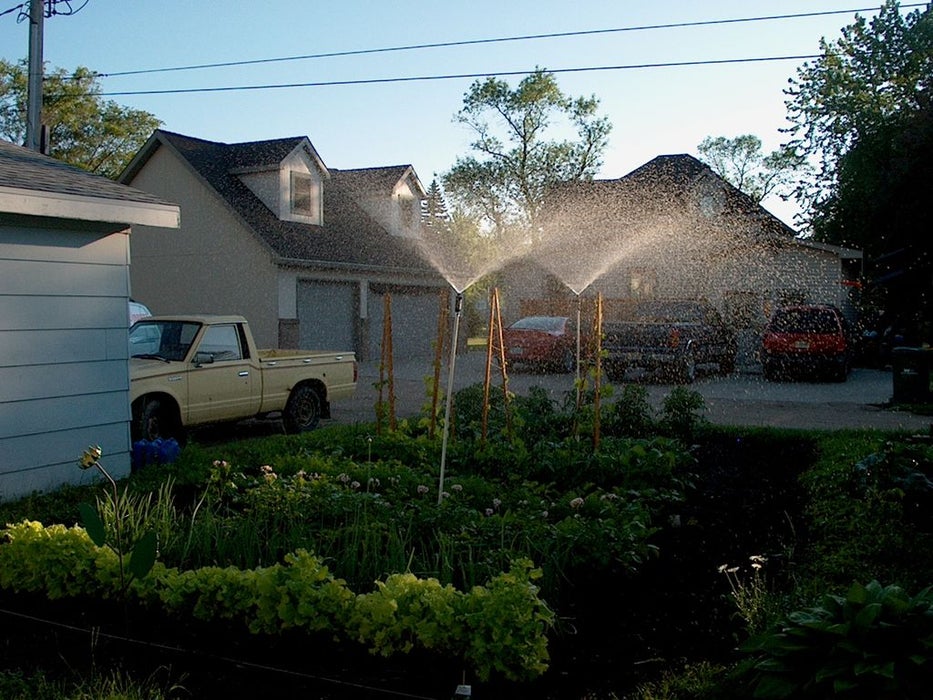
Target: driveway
(742, 399)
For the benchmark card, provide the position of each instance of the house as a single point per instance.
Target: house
(674, 228)
(307, 253)
(64, 291)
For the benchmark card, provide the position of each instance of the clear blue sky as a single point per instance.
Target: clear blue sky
(654, 111)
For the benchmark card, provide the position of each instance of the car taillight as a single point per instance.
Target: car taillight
(674, 338)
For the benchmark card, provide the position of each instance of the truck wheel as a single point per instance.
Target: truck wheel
(568, 362)
(157, 421)
(686, 369)
(302, 410)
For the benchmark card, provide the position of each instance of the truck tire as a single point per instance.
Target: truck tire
(302, 410)
(685, 371)
(157, 420)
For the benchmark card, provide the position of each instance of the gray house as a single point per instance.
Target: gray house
(64, 288)
(307, 253)
(674, 228)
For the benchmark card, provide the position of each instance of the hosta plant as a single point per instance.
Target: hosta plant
(873, 642)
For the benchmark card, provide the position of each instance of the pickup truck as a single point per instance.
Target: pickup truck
(672, 336)
(187, 371)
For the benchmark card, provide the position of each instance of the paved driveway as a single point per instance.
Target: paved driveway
(743, 398)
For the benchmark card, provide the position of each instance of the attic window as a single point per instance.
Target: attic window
(302, 194)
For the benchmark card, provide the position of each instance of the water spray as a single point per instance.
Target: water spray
(458, 311)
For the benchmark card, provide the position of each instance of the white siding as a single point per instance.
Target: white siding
(64, 381)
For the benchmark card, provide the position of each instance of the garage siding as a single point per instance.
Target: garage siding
(327, 314)
(63, 355)
(414, 322)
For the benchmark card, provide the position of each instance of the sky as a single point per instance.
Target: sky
(354, 122)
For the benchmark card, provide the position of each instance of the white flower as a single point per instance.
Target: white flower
(576, 503)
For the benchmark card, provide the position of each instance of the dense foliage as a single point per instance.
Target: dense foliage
(85, 130)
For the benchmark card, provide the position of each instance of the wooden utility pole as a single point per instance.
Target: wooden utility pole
(34, 95)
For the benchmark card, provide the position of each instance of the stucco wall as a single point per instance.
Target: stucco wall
(63, 354)
(211, 264)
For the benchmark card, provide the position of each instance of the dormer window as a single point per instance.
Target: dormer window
(302, 194)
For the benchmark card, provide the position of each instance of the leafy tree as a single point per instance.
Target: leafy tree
(85, 130)
(741, 162)
(864, 112)
(875, 75)
(504, 183)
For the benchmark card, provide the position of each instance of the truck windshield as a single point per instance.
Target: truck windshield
(166, 340)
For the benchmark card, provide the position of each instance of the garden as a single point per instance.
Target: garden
(549, 550)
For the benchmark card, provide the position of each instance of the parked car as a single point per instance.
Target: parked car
(670, 337)
(806, 340)
(541, 342)
(138, 310)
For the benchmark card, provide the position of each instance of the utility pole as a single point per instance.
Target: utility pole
(34, 97)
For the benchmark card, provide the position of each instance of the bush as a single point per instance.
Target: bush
(874, 642)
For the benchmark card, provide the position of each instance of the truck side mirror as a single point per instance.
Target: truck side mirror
(203, 358)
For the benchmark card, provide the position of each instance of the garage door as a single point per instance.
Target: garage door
(327, 316)
(414, 323)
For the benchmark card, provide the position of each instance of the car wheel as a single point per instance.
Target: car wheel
(685, 371)
(615, 371)
(302, 410)
(568, 363)
(157, 421)
(727, 364)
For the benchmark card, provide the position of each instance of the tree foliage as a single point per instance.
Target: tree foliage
(864, 111)
(85, 130)
(515, 156)
(868, 81)
(740, 162)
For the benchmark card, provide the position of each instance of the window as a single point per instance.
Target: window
(221, 343)
(642, 283)
(302, 194)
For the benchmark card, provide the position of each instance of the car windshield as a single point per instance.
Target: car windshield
(549, 324)
(805, 321)
(167, 340)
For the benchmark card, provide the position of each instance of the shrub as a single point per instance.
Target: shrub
(874, 642)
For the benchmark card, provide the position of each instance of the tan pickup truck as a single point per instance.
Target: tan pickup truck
(187, 371)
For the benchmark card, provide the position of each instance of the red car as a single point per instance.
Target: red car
(806, 340)
(542, 342)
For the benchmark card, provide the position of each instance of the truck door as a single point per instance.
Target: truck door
(224, 381)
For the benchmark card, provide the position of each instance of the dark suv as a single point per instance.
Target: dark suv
(806, 340)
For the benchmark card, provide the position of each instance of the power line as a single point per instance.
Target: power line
(475, 42)
(456, 76)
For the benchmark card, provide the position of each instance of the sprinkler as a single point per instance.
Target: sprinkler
(458, 308)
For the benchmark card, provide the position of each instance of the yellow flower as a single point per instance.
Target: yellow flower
(91, 457)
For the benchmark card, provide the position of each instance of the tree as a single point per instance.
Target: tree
(876, 74)
(434, 214)
(504, 184)
(741, 162)
(864, 111)
(85, 130)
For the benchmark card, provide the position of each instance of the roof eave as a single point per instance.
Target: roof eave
(15, 200)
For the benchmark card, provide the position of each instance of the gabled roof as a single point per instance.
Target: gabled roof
(348, 237)
(36, 185)
(662, 187)
(377, 181)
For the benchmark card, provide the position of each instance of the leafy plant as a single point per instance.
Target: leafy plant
(873, 642)
(681, 413)
(142, 553)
